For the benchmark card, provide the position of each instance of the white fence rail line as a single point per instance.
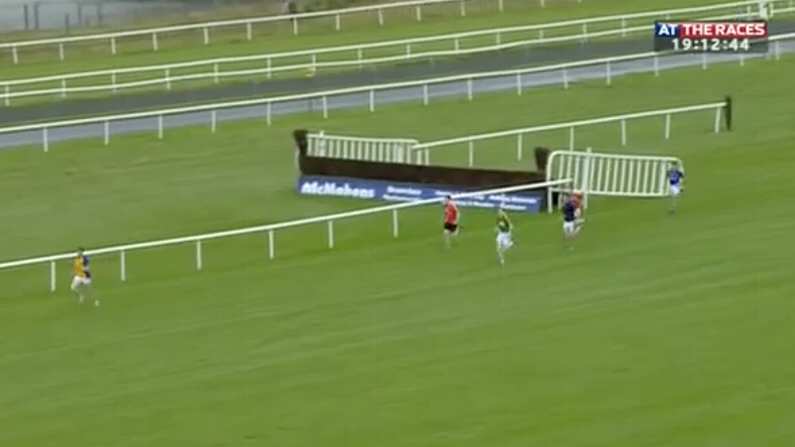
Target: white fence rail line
(248, 23)
(571, 126)
(388, 150)
(329, 220)
(268, 102)
(615, 175)
(312, 63)
(377, 149)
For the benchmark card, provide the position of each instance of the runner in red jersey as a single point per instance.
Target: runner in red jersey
(450, 220)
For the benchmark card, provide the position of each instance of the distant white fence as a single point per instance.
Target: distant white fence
(622, 119)
(270, 230)
(388, 150)
(423, 85)
(614, 175)
(267, 64)
(248, 24)
(413, 152)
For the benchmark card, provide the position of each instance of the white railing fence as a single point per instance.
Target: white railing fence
(270, 230)
(246, 24)
(267, 64)
(265, 106)
(614, 175)
(521, 133)
(388, 150)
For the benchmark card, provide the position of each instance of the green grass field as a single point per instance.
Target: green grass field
(656, 330)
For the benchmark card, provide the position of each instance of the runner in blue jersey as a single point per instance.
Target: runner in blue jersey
(676, 177)
(572, 213)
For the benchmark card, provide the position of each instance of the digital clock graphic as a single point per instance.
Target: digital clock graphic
(711, 37)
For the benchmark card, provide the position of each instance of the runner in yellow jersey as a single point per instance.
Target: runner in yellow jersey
(81, 282)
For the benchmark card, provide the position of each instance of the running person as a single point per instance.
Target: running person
(572, 213)
(450, 220)
(504, 239)
(676, 177)
(81, 282)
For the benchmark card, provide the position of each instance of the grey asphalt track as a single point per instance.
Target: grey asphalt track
(486, 62)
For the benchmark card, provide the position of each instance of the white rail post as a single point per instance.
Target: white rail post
(215, 73)
(113, 46)
(53, 276)
(565, 79)
(425, 94)
(541, 34)
(623, 27)
(777, 50)
(206, 35)
(571, 138)
(313, 62)
(45, 138)
(337, 24)
(656, 66)
(295, 27)
(199, 255)
(395, 229)
(704, 61)
(159, 127)
(418, 10)
(498, 38)
(107, 132)
(408, 49)
(7, 100)
(667, 126)
(500, 6)
(456, 44)
(469, 89)
(324, 103)
(742, 60)
(359, 56)
(330, 234)
(113, 81)
(213, 120)
(154, 41)
(717, 119)
(584, 31)
(15, 54)
(519, 147)
(380, 17)
(123, 265)
(623, 132)
(271, 245)
(608, 75)
(372, 100)
(463, 8)
(63, 88)
(268, 67)
(168, 79)
(519, 84)
(268, 113)
(543, 3)
(249, 31)
(60, 52)
(587, 171)
(471, 154)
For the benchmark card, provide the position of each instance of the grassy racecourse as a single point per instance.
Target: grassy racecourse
(656, 330)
